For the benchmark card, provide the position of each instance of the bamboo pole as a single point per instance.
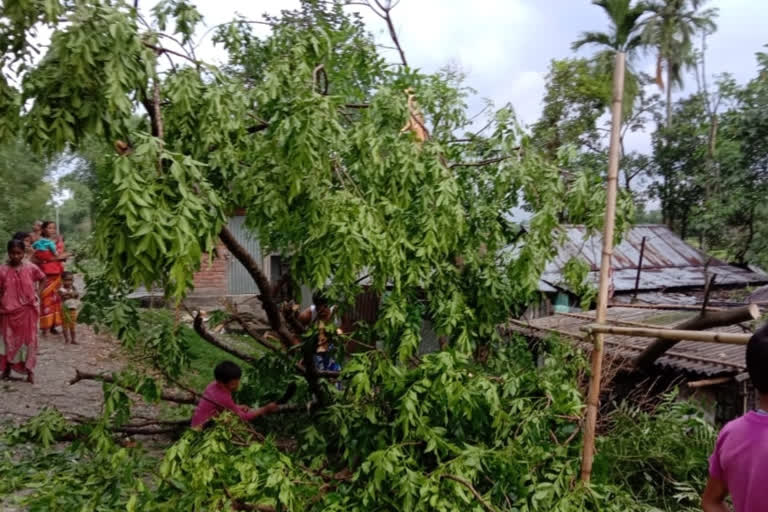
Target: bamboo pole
(695, 384)
(671, 307)
(728, 338)
(593, 397)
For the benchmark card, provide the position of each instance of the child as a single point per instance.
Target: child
(18, 313)
(740, 461)
(27, 239)
(70, 299)
(218, 397)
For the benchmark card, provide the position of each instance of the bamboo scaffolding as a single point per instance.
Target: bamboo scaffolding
(593, 397)
(672, 307)
(616, 321)
(728, 338)
(624, 346)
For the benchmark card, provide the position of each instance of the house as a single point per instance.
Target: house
(711, 373)
(651, 265)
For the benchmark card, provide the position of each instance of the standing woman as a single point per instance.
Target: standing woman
(18, 313)
(49, 256)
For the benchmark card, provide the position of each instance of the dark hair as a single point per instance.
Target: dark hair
(318, 299)
(227, 371)
(46, 223)
(15, 243)
(20, 235)
(67, 274)
(757, 359)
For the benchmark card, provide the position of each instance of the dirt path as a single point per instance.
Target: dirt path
(56, 363)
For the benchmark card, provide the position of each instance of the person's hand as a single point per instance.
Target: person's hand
(271, 407)
(244, 408)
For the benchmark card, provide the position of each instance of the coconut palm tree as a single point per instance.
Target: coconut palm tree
(624, 35)
(671, 29)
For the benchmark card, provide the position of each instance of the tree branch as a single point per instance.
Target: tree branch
(160, 50)
(487, 506)
(386, 15)
(213, 340)
(287, 338)
(481, 163)
(319, 72)
(167, 395)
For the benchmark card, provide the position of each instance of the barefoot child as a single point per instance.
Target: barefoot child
(18, 312)
(218, 397)
(70, 299)
(740, 461)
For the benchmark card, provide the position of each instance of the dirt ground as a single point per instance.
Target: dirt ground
(56, 363)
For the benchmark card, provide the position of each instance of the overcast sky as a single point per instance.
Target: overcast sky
(505, 46)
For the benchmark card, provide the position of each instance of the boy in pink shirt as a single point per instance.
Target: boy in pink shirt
(218, 397)
(740, 461)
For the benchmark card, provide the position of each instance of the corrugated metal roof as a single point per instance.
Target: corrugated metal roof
(759, 295)
(689, 356)
(668, 262)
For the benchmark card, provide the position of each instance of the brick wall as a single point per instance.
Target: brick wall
(212, 277)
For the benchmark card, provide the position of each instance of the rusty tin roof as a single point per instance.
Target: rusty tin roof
(668, 262)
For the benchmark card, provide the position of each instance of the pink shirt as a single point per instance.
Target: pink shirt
(741, 461)
(18, 286)
(215, 399)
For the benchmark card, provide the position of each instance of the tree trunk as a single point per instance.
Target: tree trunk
(700, 322)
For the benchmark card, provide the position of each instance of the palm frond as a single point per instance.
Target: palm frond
(598, 38)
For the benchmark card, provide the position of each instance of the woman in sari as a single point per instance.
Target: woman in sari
(49, 256)
(18, 313)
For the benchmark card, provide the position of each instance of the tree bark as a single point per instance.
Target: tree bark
(700, 322)
(287, 338)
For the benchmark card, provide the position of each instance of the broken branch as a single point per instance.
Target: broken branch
(213, 340)
(167, 395)
(487, 506)
(270, 307)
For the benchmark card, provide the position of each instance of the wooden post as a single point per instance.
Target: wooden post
(593, 398)
(639, 267)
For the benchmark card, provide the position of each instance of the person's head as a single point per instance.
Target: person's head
(68, 278)
(37, 227)
(228, 374)
(49, 229)
(322, 306)
(757, 360)
(24, 237)
(15, 252)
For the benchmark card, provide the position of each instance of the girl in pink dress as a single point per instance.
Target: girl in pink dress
(19, 313)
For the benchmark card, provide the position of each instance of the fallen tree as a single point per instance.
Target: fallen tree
(304, 127)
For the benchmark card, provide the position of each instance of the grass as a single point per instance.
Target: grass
(203, 356)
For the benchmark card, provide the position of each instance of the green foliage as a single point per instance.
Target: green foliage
(398, 439)
(659, 457)
(46, 428)
(711, 166)
(25, 192)
(576, 274)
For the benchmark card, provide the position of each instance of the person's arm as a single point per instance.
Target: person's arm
(261, 411)
(243, 412)
(713, 499)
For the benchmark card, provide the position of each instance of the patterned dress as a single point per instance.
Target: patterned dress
(19, 312)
